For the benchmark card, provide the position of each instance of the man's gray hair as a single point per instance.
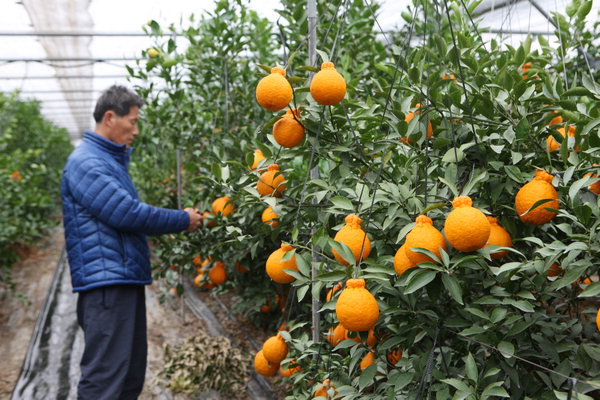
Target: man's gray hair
(118, 99)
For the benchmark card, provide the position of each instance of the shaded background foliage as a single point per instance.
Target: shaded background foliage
(32, 154)
(490, 126)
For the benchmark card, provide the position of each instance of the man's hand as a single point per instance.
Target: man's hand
(195, 219)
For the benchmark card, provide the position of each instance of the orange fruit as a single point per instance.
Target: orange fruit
(525, 67)
(328, 87)
(367, 360)
(332, 291)
(197, 261)
(274, 92)
(222, 205)
(553, 145)
(240, 268)
(556, 120)
(466, 228)
(322, 391)
(554, 270)
(217, 273)
(287, 131)
(598, 319)
(174, 267)
(266, 308)
(270, 183)
(276, 268)
(258, 157)
(356, 307)
(371, 339)
(270, 217)
(401, 261)
(424, 235)
(353, 236)
(275, 349)
(594, 187)
(539, 188)
(211, 222)
(393, 356)
(451, 76)
(173, 292)
(263, 366)
(292, 368)
(499, 237)
(198, 281)
(409, 117)
(337, 334)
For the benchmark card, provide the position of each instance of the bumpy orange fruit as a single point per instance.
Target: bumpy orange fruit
(271, 183)
(217, 273)
(594, 187)
(241, 268)
(258, 157)
(222, 205)
(337, 334)
(401, 261)
(276, 268)
(263, 366)
(356, 307)
(353, 236)
(275, 349)
(499, 237)
(554, 270)
(539, 188)
(466, 227)
(287, 131)
(424, 235)
(274, 92)
(328, 87)
(393, 356)
(598, 319)
(552, 144)
(270, 217)
(292, 368)
(367, 360)
(322, 392)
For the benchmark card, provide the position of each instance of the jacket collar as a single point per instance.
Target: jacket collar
(118, 151)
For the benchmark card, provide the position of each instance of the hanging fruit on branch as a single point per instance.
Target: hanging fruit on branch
(356, 307)
(540, 188)
(353, 236)
(466, 228)
(287, 131)
(328, 87)
(271, 183)
(274, 92)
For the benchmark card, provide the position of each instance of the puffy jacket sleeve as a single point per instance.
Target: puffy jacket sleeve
(93, 185)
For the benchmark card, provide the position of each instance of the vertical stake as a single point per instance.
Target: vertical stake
(314, 173)
(178, 156)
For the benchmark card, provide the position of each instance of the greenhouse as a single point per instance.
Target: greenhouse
(348, 199)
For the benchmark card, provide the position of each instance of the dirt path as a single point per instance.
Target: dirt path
(32, 277)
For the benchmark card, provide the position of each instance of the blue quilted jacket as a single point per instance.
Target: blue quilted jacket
(105, 222)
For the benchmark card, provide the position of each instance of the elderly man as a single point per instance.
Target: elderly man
(105, 230)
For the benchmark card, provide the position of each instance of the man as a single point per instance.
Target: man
(105, 230)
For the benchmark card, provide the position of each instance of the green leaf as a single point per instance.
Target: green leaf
(471, 368)
(265, 68)
(577, 186)
(343, 250)
(324, 56)
(495, 389)
(418, 278)
(303, 265)
(452, 156)
(589, 126)
(366, 377)
(458, 385)
(333, 276)
(342, 202)
(453, 286)
(577, 91)
(593, 289)
(507, 349)
(584, 9)
(482, 176)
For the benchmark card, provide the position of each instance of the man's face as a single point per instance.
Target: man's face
(123, 130)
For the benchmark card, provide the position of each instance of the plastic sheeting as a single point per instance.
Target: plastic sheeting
(66, 15)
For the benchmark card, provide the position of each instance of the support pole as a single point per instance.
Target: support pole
(179, 193)
(314, 173)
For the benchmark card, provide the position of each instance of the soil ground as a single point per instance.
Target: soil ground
(32, 277)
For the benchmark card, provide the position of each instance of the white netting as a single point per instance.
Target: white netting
(67, 15)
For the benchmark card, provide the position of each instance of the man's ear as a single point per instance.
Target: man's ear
(108, 118)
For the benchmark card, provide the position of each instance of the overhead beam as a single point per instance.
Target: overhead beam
(54, 59)
(496, 5)
(63, 77)
(76, 33)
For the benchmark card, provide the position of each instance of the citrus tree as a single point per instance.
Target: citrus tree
(32, 154)
(448, 273)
